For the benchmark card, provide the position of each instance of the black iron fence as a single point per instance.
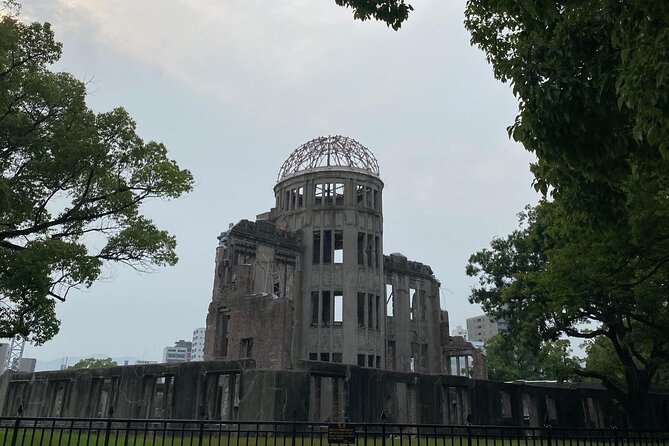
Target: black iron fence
(26, 431)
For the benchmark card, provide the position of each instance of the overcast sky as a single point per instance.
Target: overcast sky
(232, 87)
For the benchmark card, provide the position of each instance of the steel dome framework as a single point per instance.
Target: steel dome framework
(329, 151)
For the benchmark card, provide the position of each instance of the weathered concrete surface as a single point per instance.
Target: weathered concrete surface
(313, 391)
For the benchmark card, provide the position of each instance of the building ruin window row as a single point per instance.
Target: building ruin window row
(327, 308)
(326, 356)
(327, 249)
(371, 361)
(293, 199)
(329, 193)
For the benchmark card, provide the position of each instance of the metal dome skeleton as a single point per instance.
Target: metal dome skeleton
(329, 151)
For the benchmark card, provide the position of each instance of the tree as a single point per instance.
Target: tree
(590, 78)
(71, 179)
(510, 359)
(556, 276)
(393, 12)
(90, 363)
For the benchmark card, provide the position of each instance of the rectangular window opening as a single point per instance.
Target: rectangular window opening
(412, 306)
(336, 357)
(329, 193)
(376, 200)
(314, 308)
(422, 300)
(313, 356)
(319, 194)
(370, 311)
(325, 315)
(339, 247)
(316, 257)
(338, 307)
(246, 348)
(300, 197)
(360, 195)
(390, 305)
(339, 193)
(377, 312)
(327, 247)
(368, 198)
(370, 250)
(370, 360)
(361, 360)
(361, 309)
(293, 198)
(377, 251)
(361, 248)
(325, 357)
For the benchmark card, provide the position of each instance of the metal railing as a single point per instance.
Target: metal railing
(27, 431)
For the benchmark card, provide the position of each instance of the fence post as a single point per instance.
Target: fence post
(108, 428)
(384, 418)
(17, 424)
(200, 434)
(469, 429)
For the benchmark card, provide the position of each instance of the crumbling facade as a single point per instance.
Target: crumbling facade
(308, 279)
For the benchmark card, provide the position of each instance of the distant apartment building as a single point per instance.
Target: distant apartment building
(482, 328)
(197, 351)
(459, 331)
(179, 353)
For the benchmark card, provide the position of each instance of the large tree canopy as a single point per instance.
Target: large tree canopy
(509, 358)
(555, 276)
(71, 179)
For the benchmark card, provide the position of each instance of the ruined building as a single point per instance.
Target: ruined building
(309, 321)
(308, 280)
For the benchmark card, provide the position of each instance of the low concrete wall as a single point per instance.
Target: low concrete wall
(315, 391)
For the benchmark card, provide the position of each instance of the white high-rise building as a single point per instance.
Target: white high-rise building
(483, 327)
(197, 350)
(179, 353)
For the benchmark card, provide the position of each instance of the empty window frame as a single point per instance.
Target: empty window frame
(319, 194)
(313, 356)
(337, 357)
(325, 310)
(377, 251)
(361, 248)
(370, 311)
(360, 195)
(361, 360)
(314, 308)
(300, 197)
(246, 348)
(328, 193)
(361, 309)
(412, 303)
(338, 247)
(422, 300)
(377, 311)
(325, 357)
(390, 301)
(377, 203)
(369, 197)
(370, 250)
(316, 257)
(338, 307)
(339, 193)
(327, 247)
(370, 360)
